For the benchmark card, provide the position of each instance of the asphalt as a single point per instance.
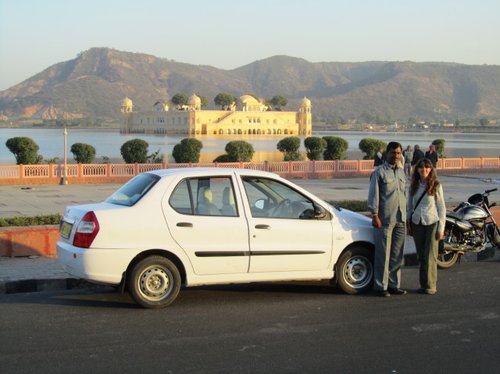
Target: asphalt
(32, 274)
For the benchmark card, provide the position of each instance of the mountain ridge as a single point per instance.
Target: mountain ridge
(94, 83)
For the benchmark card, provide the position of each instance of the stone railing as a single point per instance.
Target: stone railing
(118, 173)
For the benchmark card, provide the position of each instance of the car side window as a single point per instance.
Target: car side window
(206, 196)
(270, 198)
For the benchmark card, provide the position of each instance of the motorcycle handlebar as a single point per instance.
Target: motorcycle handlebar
(492, 190)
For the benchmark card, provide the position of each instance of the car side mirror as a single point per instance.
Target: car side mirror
(319, 212)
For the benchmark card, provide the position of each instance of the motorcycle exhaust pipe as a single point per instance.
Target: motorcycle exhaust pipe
(445, 246)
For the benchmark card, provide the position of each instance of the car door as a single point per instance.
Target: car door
(285, 232)
(205, 219)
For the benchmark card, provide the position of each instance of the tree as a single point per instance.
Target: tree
(135, 150)
(188, 150)
(180, 99)
(224, 100)
(239, 151)
(483, 122)
(155, 158)
(314, 147)
(279, 101)
(25, 150)
(370, 147)
(83, 153)
(439, 144)
(336, 148)
(289, 146)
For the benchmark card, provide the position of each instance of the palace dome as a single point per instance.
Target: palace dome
(305, 102)
(194, 100)
(127, 102)
(249, 100)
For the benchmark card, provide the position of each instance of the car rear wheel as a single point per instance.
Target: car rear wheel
(154, 282)
(354, 271)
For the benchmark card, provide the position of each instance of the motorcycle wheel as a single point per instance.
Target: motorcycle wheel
(446, 260)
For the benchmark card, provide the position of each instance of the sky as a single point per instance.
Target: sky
(226, 34)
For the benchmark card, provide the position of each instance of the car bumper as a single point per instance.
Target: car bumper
(95, 265)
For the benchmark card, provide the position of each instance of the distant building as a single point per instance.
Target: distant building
(253, 118)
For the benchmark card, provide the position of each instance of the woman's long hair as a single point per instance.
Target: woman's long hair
(431, 181)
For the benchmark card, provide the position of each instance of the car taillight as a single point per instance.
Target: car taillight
(86, 231)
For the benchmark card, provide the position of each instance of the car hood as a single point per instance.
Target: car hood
(354, 222)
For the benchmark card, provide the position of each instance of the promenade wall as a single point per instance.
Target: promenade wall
(119, 173)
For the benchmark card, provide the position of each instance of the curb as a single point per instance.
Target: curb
(39, 285)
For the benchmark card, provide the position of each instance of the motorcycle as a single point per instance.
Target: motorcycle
(469, 228)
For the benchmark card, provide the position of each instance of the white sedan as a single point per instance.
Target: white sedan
(201, 226)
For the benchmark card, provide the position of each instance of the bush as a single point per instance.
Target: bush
(239, 151)
(83, 153)
(52, 219)
(370, 147)
(439, 143)
(188, 150)
(314, 147)
(25, 150)
(222, 158)
(135, 150)
(290, 148)
(336, 148)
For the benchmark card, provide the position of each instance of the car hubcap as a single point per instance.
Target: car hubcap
(154, 283)
(358, 272)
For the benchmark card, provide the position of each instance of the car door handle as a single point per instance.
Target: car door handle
(184, 224)
(263, 227)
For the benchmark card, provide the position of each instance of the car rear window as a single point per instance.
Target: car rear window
(132, 191)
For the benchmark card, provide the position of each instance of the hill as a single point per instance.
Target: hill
(96, 81)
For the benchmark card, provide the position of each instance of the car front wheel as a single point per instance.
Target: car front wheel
(354, 271)
(154, 282)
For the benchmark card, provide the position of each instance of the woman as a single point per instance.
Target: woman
(426, 216)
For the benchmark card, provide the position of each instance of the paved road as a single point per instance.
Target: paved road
(52, 199)
(299, 328)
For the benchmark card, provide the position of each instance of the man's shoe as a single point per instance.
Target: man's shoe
(421, 290)
(382, 293)
(396, 291)
(430, 291)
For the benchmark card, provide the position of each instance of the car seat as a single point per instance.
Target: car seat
(228, 202)
(205, 205)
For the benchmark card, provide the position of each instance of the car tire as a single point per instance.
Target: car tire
(354, 270)
(154, 282)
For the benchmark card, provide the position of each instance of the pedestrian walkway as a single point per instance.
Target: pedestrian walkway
(32, 274)
(52, 199)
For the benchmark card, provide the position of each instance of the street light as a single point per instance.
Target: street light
(64, 179)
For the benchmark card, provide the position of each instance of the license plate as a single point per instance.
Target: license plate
(66, 229)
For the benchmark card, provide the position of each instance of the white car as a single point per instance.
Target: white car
(201, 226)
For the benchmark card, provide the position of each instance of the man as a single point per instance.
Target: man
(408, 157)
(387, 204)
(432, 155)
(418, 154)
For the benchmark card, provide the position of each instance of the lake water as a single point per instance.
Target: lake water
(108, 142)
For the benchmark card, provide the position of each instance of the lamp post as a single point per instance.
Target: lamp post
(64, 179)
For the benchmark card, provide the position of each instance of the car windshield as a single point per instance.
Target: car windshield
(132, 191)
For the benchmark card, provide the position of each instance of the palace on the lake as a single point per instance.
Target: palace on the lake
(250, 117)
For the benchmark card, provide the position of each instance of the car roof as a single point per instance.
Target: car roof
(215, 171)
